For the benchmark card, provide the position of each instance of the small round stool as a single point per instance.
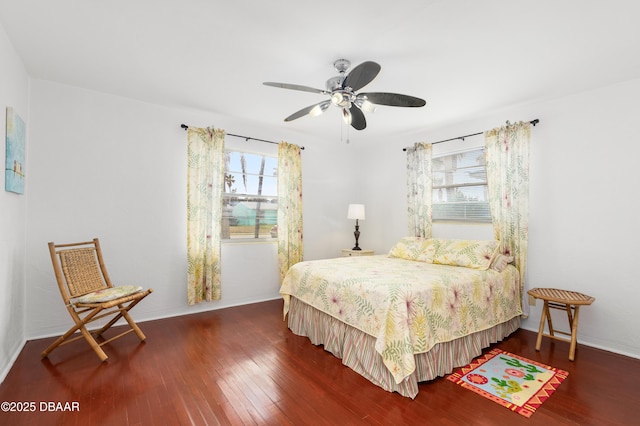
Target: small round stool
(569, 301)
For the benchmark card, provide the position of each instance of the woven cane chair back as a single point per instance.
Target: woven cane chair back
(81, 271)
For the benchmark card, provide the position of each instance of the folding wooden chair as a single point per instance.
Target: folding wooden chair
(89, 295)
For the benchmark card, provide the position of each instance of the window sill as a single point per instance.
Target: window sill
(237, 241)
(462, 221)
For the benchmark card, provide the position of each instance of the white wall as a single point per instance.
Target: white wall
(114, 168)
(14, 92)
(583, 227)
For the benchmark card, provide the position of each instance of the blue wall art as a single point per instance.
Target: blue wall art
(14, 165)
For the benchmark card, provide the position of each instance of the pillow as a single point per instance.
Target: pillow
(108, 294)
(475, 254)
(413, 248)
(428, 251)
(500, 262)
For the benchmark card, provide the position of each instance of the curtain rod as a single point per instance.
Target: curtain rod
(184, 126)
(533, 122)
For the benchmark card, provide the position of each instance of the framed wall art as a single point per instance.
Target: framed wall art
(14, 164)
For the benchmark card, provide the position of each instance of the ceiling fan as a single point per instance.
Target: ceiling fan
(342, 93)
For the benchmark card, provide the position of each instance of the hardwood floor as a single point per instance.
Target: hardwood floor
(243, 366)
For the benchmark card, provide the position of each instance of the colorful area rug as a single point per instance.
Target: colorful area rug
(512, 381)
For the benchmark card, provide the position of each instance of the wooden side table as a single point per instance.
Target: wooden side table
(569, 301)
(349, 252)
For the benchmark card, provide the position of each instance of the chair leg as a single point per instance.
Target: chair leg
(115, 319)
(59, 341)
(543, 316)
(574, 333)
(124, 313)
(549, 319)
(133, 325)
(94, 345)
(80, 325)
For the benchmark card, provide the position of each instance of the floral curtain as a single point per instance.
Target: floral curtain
(205, 184)
(507, 155)
(419, 190)
(290, 249)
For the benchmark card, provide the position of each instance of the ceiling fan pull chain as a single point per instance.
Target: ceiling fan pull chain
(343, 126)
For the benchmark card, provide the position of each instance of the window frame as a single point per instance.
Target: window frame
(465, 184)
(261, 198)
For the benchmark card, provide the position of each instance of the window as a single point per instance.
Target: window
(460, 187)
(250, 198)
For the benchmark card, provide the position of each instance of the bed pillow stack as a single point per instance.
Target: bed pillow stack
(475, 254)
(500, 262)
(414, 248)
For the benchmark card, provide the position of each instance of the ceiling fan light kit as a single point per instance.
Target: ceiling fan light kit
(342, 94)
(319, 108)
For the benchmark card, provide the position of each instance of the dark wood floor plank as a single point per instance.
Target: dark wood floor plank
(243, 366)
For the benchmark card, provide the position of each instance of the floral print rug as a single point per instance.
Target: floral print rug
(518, 383)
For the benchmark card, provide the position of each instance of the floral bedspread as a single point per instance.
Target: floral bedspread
(408, 306)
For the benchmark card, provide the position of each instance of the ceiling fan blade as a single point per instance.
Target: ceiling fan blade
(314, 110)
(295, 87)
(393, 99)
(361, 75)
(358, 121)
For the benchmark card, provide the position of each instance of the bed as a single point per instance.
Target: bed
(414, 314)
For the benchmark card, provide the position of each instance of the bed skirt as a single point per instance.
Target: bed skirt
(357, 351)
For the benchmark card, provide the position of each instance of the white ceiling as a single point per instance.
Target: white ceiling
(465, 58)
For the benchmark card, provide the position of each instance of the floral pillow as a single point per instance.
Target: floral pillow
(413, 248)
(500, 262)
(108, 294)
(475, 254)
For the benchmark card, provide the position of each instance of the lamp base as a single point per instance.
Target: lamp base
(357, 235)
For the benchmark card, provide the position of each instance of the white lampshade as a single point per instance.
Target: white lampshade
(346, 116)
(319, 109)
(365, 105)
(356, 211)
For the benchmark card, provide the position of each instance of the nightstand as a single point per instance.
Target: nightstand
(349, 252)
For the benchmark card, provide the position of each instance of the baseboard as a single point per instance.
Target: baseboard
(15, 353)
(590, 344)
(195, 309)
